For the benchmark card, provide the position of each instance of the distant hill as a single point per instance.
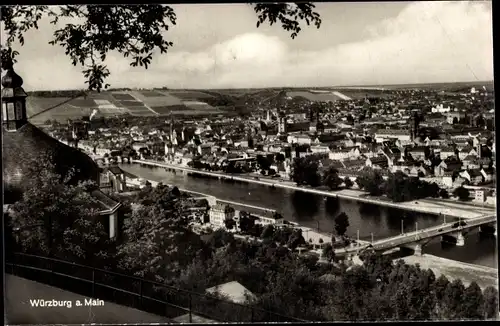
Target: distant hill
(68, 104)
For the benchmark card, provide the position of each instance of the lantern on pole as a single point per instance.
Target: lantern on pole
(13, 100)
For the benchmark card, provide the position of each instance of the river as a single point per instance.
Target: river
(314, 211)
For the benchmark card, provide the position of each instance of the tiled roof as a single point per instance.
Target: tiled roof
(234, 291)
(469, 158)
(417, 149)
(378, 159)
(103, 199)
(474, 172)
(393, 132)
(489, 171)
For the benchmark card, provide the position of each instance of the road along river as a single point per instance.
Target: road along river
(313, 210)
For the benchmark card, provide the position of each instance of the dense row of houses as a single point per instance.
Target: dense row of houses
(350, 135)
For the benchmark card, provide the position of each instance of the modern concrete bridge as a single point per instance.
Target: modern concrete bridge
(454, 231)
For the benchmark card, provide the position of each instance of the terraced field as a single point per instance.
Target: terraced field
(74, 109)
(132, 104)
(163, 99)
(137, 103)
(106, 107)
(166, 110)
(148, 93)
(123, 97)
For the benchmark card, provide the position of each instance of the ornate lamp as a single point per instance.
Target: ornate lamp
(13, 100)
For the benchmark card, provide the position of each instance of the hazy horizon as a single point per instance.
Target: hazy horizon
(480, 82)
(358, 45)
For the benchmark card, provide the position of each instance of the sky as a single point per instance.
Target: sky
(219, 46)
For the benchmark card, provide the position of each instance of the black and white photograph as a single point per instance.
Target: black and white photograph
(285, 162)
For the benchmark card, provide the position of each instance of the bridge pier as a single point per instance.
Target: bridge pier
(416, 248)
(456, 238)
(488, 229)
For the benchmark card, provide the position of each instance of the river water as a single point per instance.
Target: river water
(315, 211)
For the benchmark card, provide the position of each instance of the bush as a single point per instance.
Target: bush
(462, 193)
(444, 194)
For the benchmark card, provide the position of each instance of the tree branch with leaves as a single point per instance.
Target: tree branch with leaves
(134, 31)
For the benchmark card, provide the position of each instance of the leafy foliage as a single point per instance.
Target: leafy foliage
(305, 171)
(341, 224)
(328, 252)
(156, 241)
(247, 222)
(472, 306)
(87, 241)
(263, 162)
(371, 181)
(229, 223)
(331, 178)
(296, 239)
(289, 15)
(268, 232)
(135, 31)
(400, 187)
(348, 182)
(462, 193)
(490, 305)
(57, 218)
(158, 245)
(444, 194)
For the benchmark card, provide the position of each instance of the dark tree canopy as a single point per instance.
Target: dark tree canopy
(134, 31)
(331, 178)
(328, 252)
(462, 193)
(348, 182)
(371, 181)
(305, 171)
(341, 224)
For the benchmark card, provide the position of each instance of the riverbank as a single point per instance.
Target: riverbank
(452, 269)
(428, 206)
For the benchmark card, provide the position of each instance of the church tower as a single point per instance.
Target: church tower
(281, 123)
(414, 123)
(171, 128)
